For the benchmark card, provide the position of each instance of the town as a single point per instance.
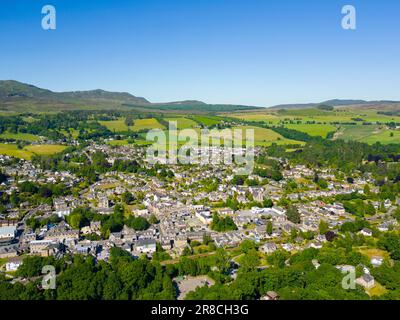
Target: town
(166, 212)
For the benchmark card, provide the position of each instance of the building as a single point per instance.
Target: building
(13, 264)
(268, 248)
(204, 216)
(7, 232)
(271, 295)
(367, 281)
(147, 246)
(366, 232)
(43, 248)
(376, 261)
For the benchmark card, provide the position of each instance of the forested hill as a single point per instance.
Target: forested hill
(21, 97)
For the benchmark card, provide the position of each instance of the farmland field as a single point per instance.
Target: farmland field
(20, 136)
(13, 151)
(115, 125)
(207, 120)
(183, 123)
(141, 124)
(369, 134)
(118, 142)
(313, 129)
(310, 115)
(45, 149)
(265, 137)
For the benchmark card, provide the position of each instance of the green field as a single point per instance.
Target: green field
(369, 134)
(13, 151)
(313, 115)
(118, 142)
(265, 137)
(207, 120)
(183, 123)
(115, 125)
(313, 129)
(45, 149)
(139, 124)
(28, 151)
(20, 136)
(142, 124)
(262, 136)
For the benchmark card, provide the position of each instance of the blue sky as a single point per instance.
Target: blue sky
(254, 52)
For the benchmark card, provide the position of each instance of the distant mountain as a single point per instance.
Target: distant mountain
(338, 103)
(11, 89)
(18, 96)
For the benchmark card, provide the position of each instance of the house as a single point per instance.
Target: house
(13, 264)
(147, 246)
(204, 216)
(268, 248)
(8, 251)
(315, 263)
(271, 295)
(7, 232)
(366, 232)
(94, 227)
(376, 261)
(43, 248)
(367, 281)
(226, 211)
(103, 202)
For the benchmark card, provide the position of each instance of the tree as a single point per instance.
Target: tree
(330, 236)
(222, 260)
(247, 245)
(153, 219)
(222, 224)
(269, 228)
(75, 220)
(127, 197)
(137, 223)
(323, 227)
(206, 239)
(293, 214)
(267, 203)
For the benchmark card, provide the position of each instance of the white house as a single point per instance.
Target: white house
(7, 232)
(13, 264)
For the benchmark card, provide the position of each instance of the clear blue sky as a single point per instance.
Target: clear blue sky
(255, 52)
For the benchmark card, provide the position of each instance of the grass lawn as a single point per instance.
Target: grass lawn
(20, 136)
(373, 252)
(376, 290)
(3, 261)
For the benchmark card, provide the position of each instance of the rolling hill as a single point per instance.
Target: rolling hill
(387, 104)
(20, 97)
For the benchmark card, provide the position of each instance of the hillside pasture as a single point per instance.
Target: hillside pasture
(20, 136)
